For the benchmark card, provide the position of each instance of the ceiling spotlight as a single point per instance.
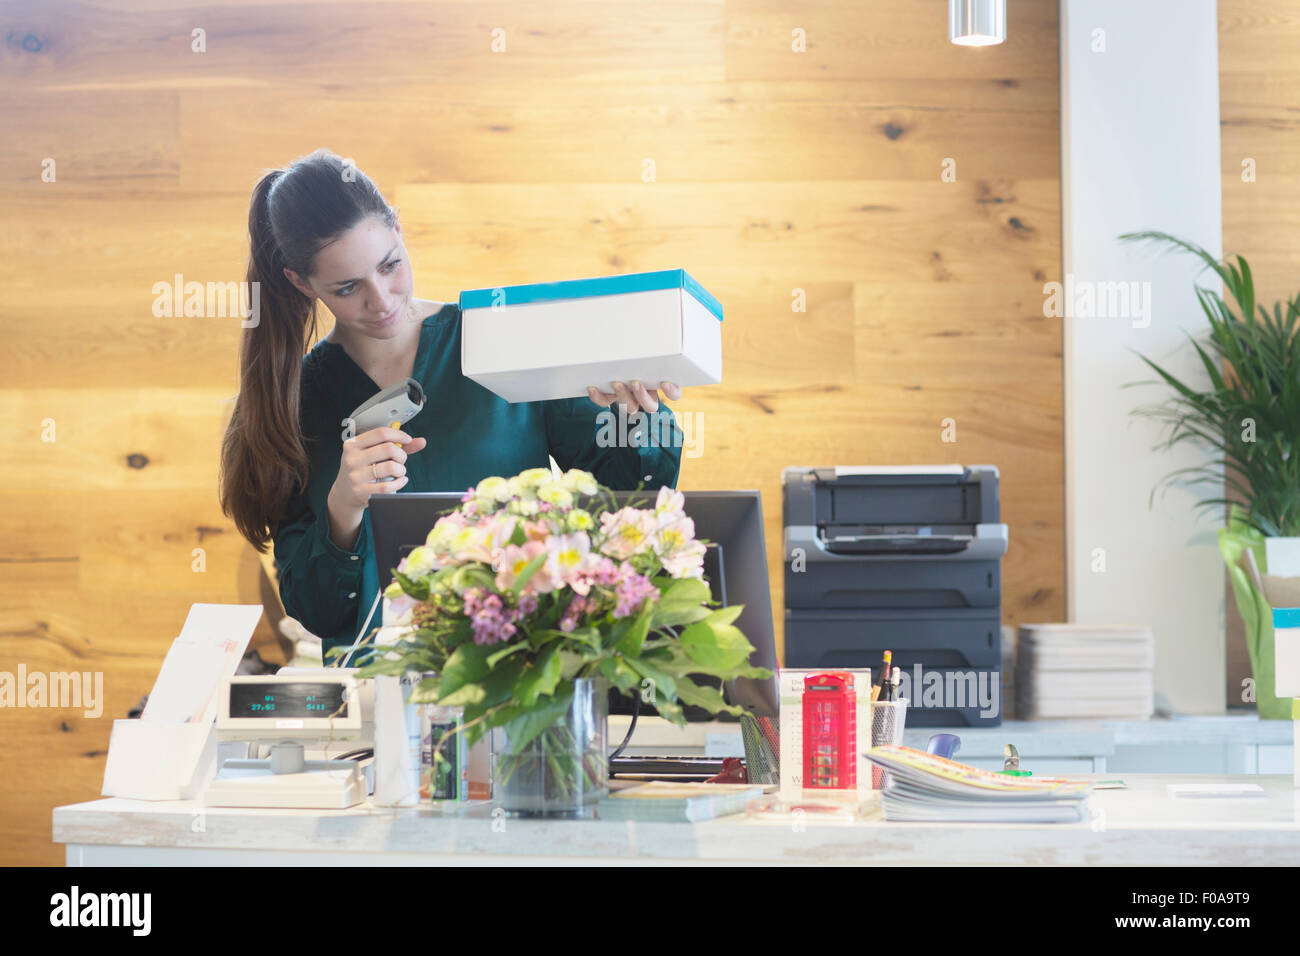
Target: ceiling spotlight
(977, 22)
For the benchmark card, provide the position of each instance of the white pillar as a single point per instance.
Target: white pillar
(1139, 151)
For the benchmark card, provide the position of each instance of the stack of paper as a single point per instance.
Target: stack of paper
(1075, 670)
(210, 647)
(924, 787)
(1009, 673)
(662, 800)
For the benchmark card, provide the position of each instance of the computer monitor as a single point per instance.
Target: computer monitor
(735, 564)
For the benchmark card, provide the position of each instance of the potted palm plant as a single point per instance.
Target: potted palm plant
(1249, 415)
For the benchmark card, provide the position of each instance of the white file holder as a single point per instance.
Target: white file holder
(170, 752)
(153, 761)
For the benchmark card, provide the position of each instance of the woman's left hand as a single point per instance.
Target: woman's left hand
(634, 396)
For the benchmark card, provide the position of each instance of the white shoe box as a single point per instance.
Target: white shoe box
(550, 340)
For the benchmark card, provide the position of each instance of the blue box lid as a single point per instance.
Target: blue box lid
(1286, 617)
(586, 288)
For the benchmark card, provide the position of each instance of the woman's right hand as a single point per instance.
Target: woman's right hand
(386, 449)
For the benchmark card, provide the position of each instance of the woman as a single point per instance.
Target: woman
(321, 231)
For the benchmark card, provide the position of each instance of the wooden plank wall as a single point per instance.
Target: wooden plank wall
(797, 154)
(1259, 114)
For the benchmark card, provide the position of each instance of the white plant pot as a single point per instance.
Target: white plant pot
(1283, 557)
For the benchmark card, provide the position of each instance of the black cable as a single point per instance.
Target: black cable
(636, 709)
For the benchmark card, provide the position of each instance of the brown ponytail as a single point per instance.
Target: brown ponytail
(294, 213)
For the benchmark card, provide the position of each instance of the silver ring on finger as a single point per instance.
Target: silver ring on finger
(372, 471)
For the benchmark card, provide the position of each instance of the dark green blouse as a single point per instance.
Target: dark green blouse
(472, 433)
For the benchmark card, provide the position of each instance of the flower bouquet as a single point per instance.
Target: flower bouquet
(535, 596)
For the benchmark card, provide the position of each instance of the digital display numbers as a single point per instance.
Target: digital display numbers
(287, 700)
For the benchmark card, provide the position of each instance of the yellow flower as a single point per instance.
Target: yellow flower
(579, 520)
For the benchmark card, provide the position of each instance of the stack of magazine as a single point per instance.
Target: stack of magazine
(923, 787)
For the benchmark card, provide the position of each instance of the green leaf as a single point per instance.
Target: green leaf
(618, 673)
(543, 636)
(710, 698)
(629, 645)
(678, 661)
(665, 684)
(681, 603)
(426, 692)
(671, 711)
(716, 645)
(413, 586)
(587, 635)
(496, 688)
(497, 656)
(522, 725)
(467, 664)
(725, 615)
(571, 664)
(464, 696)
(529, 570)
(538, 678)
(472, 576)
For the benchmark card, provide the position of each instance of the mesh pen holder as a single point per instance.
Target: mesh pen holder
(887, 720)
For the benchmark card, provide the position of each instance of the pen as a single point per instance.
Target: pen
(894, 679)
(879, 687)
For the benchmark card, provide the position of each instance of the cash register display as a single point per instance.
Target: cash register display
(276, 699)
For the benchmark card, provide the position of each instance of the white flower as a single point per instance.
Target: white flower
(627, 532)
(669, 505)
(674, 536)
(555, 494)
(580, 482)
(526, 507)
(532, 477)
(493, 487)
(686, 562)
(419, 562)
(565, 555)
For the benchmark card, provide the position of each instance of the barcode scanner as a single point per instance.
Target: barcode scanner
(393, 407)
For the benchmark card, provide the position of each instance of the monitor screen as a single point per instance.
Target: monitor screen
(735, 566)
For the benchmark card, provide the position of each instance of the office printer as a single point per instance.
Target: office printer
(906, 559)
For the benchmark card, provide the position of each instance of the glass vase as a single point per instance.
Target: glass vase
(564, 770)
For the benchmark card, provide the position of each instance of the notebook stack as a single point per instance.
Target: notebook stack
(1076, 670)
(922, 787)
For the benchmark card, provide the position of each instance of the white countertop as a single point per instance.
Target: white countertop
(1141, 825)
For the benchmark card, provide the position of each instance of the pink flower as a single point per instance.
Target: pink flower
(631, 593)
(488, 616)
(566, 554)
(569, 620)
(511, 563)
(626, 532)
(687, 561)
